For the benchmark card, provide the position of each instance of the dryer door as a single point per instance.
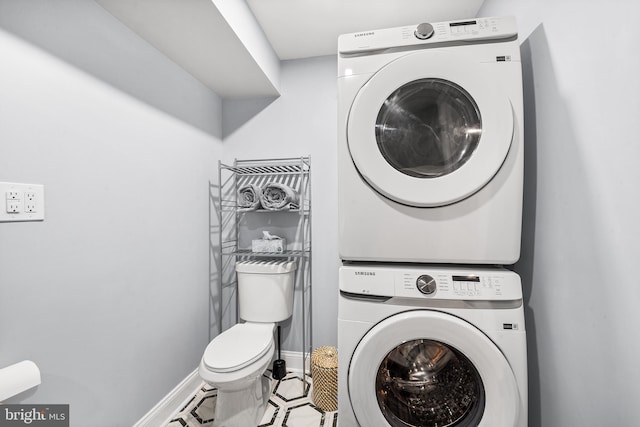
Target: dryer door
(430, 128)
(428, 368)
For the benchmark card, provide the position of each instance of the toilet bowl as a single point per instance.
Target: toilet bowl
(234, 362)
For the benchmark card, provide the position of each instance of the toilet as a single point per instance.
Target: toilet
(235, 361)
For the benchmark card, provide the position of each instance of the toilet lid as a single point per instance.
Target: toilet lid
(238, 346)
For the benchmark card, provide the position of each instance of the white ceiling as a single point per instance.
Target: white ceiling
(304, 28)
(234, 47)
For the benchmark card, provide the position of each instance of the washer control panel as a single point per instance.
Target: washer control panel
(489, 284)
(454, 285)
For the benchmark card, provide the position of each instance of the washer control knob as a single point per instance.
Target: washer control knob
(426, 284)
(424, 31)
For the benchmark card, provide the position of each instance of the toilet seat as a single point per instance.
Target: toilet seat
(238, 347)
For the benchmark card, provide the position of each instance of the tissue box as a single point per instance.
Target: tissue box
(274, 245)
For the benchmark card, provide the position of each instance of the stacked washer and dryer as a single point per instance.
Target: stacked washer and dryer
(430, 158)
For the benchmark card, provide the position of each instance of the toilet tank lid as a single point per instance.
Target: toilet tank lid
(265, 267)
(238, 346)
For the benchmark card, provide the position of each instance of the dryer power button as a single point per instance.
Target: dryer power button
(424, 31)
(426, 284)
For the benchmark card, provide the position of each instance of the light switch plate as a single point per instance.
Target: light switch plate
(21, 202)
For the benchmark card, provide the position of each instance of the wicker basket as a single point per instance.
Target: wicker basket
(324, 372)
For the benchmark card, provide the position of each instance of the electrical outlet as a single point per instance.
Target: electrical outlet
(30, 201)
(13, 195)
(24, 202)
(13, 206)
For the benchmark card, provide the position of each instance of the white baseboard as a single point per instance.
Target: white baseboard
(161, 413)
(293, 359)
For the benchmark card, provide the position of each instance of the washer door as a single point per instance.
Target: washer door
(430, 128)
(431, 369)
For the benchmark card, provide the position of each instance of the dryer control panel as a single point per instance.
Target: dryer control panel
(479, 29)
(491, 284)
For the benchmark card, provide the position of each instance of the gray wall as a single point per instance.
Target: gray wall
(580, 249)
(109, 294)
(85, 35)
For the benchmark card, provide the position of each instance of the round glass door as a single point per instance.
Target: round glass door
(426, 383)
(428, 128)
(430, 369)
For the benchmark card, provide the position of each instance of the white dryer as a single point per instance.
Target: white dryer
(428, 346)
(430, 134)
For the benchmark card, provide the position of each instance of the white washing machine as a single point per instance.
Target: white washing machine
(430, 143)
(431, 346)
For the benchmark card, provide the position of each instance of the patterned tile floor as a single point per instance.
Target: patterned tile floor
(290, 405)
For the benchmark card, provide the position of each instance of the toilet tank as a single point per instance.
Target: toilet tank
(265, 290)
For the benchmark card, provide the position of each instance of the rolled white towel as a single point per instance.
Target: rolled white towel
(249, 198)
(276, 197)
